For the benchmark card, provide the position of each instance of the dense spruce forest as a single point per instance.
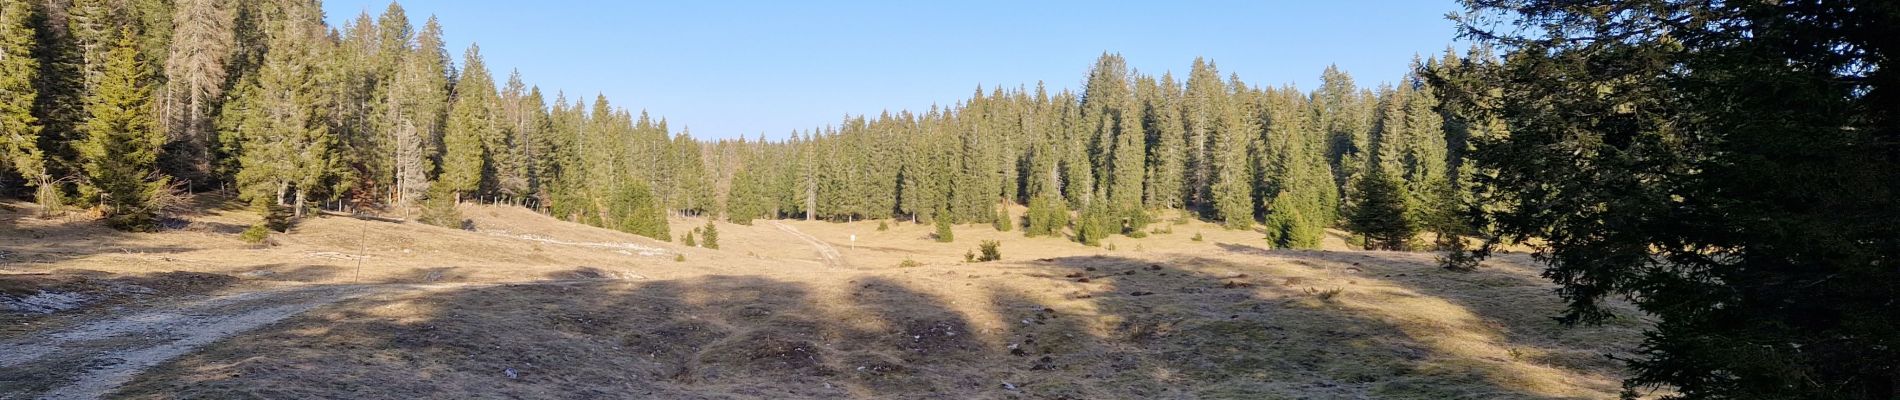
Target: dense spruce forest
(119, 105)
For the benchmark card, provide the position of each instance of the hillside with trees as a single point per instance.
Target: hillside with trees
(263, 99)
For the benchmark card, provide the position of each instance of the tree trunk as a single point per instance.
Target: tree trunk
(297, 209)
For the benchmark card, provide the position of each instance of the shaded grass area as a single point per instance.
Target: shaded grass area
(1248, 324)
(96, 292)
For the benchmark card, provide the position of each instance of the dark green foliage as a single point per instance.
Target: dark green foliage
(20, 150)
(1133, 221)
(1295, 222)
(256, 234)
(1380, 213)
(944, 234)
(471, 123)
(280, 125)
(749, 197)
(883, 226)
(1729, 167)
(1004, 222)
(271, 216)
(689, 241)
(122, 141)
(438, 208)
(1047, 217)
(1110, 109)
(991, 251)
(1097, 222)
(634, 210)
(711, 234)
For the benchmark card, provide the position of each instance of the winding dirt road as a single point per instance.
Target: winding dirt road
(825, 251)
(91, 359)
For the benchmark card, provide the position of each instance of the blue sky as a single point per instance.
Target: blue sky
(727, 69)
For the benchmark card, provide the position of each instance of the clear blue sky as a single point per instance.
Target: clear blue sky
(727, 69)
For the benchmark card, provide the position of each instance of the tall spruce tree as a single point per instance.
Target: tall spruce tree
(507, 145)
(1300, 194)
(1231, 184)
(419, 100)
(471, 124)
(1379, 213)
(1110, 107)
(1728, 167)
(539, 143)
(19, 129)
(1344, 118)
(1167, 143)
(94, 27)
(288, 149)
(1046, 217)
(204, 38)
(123, 142)
(1201, 114)
(1428, 182)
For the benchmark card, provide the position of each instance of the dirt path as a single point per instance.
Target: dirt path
(825, 251)
(89, 360)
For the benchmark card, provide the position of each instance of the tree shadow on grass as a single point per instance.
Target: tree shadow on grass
(1078, 327)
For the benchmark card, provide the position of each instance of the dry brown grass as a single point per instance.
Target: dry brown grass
(765, 317)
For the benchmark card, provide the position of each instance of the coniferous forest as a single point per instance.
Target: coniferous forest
(1729, 167)
(126, 103)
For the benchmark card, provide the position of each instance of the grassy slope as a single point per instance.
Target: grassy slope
(1163, 317)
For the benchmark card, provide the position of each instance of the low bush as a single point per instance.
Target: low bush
(991, 251)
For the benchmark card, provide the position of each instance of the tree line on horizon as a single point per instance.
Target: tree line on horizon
(1378, 161)
(116, 105)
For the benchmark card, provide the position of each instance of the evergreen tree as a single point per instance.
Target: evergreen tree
(1046, 217)
(471, 124)
(748, 200)
(94, 26)
(1380, 213)
(639, 212)
(1728, 167)
(122, 142)
(1096, 223)
(538, 142)
(353, 75)
(691, 192)
(506, 145)
(418, 100)
(1232, 179)
(942, 220)
(1004, 222)
(1300, 191)
(19, 129)
(1109, 105)
(288, 149)
(204, 39)
(1167, 143)
(711, 233)
(1201, 111)
(1427, 179)
(1345, 120)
